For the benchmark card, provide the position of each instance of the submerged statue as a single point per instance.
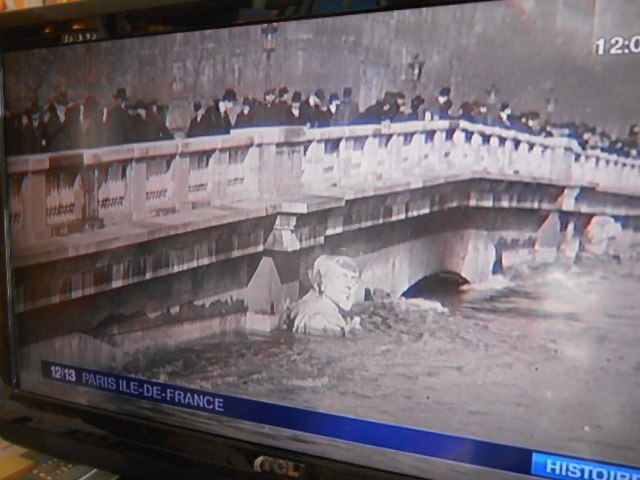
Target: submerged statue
(334, 280)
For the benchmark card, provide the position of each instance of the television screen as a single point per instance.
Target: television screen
(405, 240)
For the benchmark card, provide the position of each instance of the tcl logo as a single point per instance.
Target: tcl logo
(276, 466)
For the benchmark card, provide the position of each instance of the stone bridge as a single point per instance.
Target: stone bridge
(191, 236)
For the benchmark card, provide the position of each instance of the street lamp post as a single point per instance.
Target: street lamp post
(551, 107)
(269, 32)
(415, 71)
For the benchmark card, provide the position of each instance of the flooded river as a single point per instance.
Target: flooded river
(545, 358)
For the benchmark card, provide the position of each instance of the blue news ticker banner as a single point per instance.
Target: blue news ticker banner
(372, 433)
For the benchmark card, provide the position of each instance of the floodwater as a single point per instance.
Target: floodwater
(546, 358)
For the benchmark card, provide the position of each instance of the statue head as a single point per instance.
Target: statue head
(336, 278)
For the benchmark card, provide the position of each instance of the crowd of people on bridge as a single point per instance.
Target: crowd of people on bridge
(64, 125)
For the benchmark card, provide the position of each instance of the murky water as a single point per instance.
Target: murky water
(546, 358)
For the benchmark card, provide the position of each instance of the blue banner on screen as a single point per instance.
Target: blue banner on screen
(553, 466)
(481, 453)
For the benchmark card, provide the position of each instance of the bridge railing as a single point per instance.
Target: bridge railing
(63, 192)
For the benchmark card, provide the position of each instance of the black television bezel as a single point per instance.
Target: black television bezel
(131, 446)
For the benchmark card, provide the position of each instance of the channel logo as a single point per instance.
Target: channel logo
(563, 468)
(277, 466)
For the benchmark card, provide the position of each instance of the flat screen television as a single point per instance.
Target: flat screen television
(391, 243)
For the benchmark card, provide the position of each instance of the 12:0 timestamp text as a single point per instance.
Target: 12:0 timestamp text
(617, 45)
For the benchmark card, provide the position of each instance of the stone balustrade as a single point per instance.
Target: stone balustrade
(60, 193)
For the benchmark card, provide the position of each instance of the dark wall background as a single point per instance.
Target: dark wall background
(531, 50)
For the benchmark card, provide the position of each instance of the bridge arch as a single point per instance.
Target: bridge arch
(443, 282)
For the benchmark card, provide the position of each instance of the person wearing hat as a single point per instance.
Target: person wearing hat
(398, 109)
(534, 123)
(332, 109)
(54, 118)
(385, 110)
(311, 109)
(92, 128)
(466, 111)
(157, 119)
(634, 134)
(348, 105)
(70, 132)
(244, 119)
(441, 111)
(371, 114)
(61, 102)
(118, 123)
(283, 103)
(201, 124)
(416, 104)
(229, 98)
(140, 128)
(51, 123)
(292, 114)
(219, 112)
(348, 109)
(389, 107)
(480, 112)
(14, 122)
(630, 144)
(507, 119)
(268, 113)
(283, 96)
(505, 116)
(32, 131)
